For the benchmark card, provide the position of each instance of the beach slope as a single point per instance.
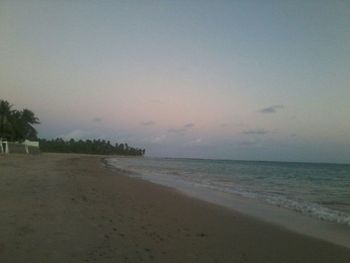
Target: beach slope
(72, 208)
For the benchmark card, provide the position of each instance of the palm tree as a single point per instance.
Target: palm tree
(17, 125)
(28, 119)
(5, 116)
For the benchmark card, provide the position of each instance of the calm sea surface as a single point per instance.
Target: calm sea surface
(318, 190)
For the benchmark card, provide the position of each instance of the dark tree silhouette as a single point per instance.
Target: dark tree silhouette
(17, 125)
(5, 116)
(89, 147)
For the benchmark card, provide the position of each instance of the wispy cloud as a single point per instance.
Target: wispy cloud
(182, 130)
(158, 139)
(148, 123)
(197, 141)
(97, 119)
(189, 125)
(253, 143)
(255, 132)
(271, 109)
(236, 124)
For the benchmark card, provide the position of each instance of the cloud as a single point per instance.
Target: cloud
(180, 131)
(97, 119)
(195, 142)
(233, 124)
(183, 130)
(251, 143)
(248, 143)
(271, 109)
(148, 123)
(189, 125)
(158, 139)
(255, 132)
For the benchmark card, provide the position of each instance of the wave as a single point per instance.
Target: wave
(176, 177)
(311, 209)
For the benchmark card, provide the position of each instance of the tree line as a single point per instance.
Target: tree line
(18, 125)
(89, 147)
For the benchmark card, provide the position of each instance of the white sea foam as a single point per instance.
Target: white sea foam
(262, 183)
(307, 208)
(311, 209)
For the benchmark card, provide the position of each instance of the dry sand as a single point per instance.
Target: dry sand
(71, 208)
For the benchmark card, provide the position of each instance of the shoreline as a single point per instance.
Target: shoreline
(286, 218)
(282, 217)
(71, 208)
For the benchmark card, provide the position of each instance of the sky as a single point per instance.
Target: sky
(246, 80)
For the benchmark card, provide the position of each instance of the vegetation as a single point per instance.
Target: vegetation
(17, 125)
(88, 146)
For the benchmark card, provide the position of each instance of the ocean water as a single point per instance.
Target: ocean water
(320, 191)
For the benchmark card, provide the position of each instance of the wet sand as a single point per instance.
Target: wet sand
(72, 208)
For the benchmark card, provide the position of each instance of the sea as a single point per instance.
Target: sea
(320, 191)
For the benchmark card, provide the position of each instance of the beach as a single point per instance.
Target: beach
(74, 208)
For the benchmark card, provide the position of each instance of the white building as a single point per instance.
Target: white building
(17, 147)
(4, 146)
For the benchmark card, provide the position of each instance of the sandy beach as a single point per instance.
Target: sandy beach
(73, 208)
